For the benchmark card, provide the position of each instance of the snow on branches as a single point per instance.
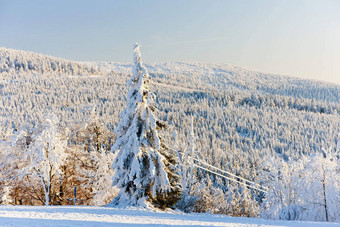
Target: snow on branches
(46, 155)
(143, 167)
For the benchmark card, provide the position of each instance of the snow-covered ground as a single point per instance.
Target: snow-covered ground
(103, 216)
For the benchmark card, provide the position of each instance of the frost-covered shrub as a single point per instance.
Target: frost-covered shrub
(307, 189)
(291, 212)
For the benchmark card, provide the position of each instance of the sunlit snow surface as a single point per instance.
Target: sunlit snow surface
(102, 216)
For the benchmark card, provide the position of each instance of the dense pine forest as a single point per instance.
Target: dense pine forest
(278, 131)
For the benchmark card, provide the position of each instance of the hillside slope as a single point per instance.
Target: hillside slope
(18, 61)
(241, 117)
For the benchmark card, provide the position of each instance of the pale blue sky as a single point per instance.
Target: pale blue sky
(293, 37)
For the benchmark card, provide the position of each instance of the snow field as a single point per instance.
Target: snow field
(104, 216)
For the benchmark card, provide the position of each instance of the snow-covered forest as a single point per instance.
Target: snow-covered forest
(57, 122)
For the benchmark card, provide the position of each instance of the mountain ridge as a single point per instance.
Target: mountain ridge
(155, 67)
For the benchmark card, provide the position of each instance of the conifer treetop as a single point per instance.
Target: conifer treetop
(137, 98)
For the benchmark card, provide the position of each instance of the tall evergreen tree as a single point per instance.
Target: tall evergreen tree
(144, 167)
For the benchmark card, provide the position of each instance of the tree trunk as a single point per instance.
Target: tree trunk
(47, 197)
(324, 192)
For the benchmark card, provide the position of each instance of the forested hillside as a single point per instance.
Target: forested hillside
(17, 61)
(240, 117)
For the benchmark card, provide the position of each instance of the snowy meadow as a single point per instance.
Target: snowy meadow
(100, 216)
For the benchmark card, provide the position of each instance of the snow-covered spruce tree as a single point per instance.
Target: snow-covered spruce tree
(144, 167)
